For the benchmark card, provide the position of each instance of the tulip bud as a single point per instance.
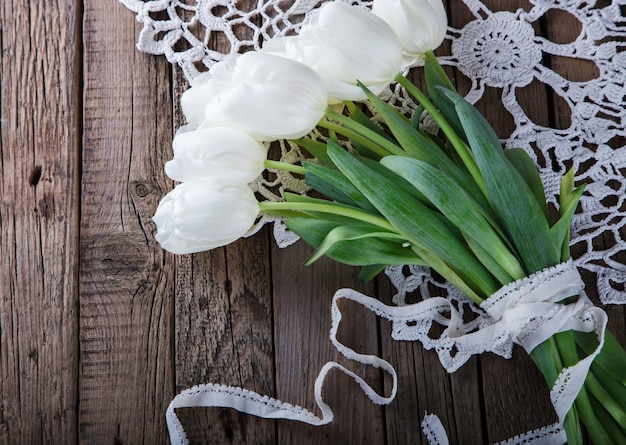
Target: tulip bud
(203, 214)
(223, 152)
(419, 24)
(266, 96)
(344, 44)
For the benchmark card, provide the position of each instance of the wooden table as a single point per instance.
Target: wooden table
(100, 328)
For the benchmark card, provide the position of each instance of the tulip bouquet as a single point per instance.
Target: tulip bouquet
(392, 193)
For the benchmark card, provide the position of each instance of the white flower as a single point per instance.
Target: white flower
(224, 152)
(420, 25)
(268, 97)
(203, 214)
(344, 43)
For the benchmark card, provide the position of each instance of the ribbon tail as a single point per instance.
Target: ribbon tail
(569, 383)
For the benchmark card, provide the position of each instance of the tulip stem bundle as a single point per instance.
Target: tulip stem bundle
(474, 212)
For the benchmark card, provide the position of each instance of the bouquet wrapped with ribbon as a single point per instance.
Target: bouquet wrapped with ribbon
(390, 193)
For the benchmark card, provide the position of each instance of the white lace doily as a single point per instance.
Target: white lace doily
(497, 49)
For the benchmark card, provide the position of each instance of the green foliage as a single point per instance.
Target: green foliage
(355, 245)
(522, 218)
(420, 225)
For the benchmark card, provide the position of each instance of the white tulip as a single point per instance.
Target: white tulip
(420, 25)
(203, 214)
(268, 97)
(224, 152)
(344, 44)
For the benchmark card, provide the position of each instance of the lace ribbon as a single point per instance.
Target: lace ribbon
(525, 312)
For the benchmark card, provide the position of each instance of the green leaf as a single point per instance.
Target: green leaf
(352, 233)
(401, 183)
(361, 133)
(420, 225)
(456, 205)
(423, 148)
(417, 115)
(436, 71)
(412, 141)
(316, 149)
(528, 170)
(369, 272)
(514, 202)
(365, 151)
(336, 186)
(568, 200)
(356, 114)
(338, 218)
(357, 252)
(407, 188)
(484, 255)
(454, 139)
(436, 78)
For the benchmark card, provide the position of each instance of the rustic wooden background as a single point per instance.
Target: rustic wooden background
(100, 328)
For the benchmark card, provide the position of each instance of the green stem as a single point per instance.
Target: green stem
(612, 357)
(600, 393)
(430, 57)
(566, 347)
(277, 165)
(269, 206)
(368, 133)
(613, 429)
(459, 145)
(546, 357)
(614, 387)
(353, 135)
(597, 432)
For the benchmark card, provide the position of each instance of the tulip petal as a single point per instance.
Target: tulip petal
(224, 152)
(203, 214)
(267, 96)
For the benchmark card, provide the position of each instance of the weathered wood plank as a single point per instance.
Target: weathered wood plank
(126, 279)
(224, 335)
(424, 386)
(302, 298)
(249, 315)
(39, 146)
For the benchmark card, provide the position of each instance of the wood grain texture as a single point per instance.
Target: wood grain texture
(224, 335)
(302, 297)
(425, 387)
(40, 152)
(126, 280)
